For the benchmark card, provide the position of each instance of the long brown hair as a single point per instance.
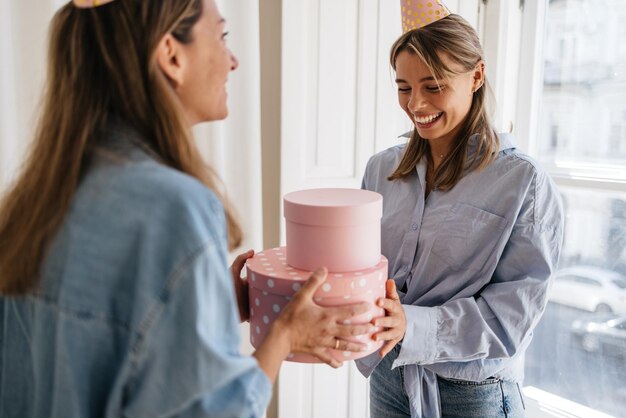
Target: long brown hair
(101, 65)
(455, 38)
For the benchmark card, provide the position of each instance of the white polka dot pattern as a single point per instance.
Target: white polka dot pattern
(271, 275)
(273, 284)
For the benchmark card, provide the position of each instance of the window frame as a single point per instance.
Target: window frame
(527, 103)
(530, 88)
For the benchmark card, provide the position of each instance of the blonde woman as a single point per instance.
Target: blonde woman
(472, 229)
(116, 297)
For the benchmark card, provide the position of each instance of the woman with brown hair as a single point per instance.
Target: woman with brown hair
(116, 296)
(472, 229)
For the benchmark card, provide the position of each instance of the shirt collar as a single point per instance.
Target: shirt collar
(506, 141)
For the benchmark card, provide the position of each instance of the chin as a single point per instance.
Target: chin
(427, 135)
(223, 115)
(217, 115)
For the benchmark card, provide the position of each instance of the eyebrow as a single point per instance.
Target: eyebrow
(222, 20)
(399, 80)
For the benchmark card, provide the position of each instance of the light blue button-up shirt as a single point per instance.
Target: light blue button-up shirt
(476, 261)
(136, 314)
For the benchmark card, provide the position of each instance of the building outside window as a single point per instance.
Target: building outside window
(579, 348)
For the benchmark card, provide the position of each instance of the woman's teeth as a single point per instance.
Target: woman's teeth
(427, 119)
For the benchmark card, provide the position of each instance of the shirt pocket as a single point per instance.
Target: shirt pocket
(467, 237)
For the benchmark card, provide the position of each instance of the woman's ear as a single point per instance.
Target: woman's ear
(171, 59)
(479, 76)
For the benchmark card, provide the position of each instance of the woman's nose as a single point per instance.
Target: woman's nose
(234, 62)
(416, 102)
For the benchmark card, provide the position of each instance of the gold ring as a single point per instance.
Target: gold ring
(336, 344)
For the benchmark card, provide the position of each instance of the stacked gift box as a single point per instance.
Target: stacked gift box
(334, 228)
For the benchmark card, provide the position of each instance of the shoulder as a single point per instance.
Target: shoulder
(527, 178)
(169, 187)
(154, 197)
(515, 163)
(382, 164)
(387, 158)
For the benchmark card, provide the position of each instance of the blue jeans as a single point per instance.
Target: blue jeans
(491, 398)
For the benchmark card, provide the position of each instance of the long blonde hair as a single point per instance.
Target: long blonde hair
(455, 38)
(101, 64)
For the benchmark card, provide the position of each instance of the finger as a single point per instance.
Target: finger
(240, 261)
(387, 348)
(324, 356)
(392, 291)
(354, 347)
(353, 330)
(388, 335)
(241, 258)
(345, 313)
(345, 345)
(387, 322)
(313, 283)
(389, 305)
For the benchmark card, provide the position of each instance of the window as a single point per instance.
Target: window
(580, 138)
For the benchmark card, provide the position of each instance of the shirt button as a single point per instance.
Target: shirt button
(414, 227)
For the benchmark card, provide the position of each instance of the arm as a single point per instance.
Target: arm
(186, 357)
(495, 323)
(498, 320)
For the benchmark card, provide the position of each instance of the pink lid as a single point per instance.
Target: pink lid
(333, 207)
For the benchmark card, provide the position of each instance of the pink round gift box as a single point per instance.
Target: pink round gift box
(272, 283)
(334, 228)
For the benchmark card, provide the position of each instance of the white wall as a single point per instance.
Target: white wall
(23, 30)
(339, 107)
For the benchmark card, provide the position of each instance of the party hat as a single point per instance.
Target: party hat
(419, 13)
(86, 4)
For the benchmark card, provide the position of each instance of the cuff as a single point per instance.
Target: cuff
(366, 365)
(260, 393)
(419, 345)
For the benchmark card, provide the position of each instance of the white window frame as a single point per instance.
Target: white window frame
(529, 93)
(513, 38)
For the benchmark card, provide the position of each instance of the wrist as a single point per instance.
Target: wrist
(280, 336)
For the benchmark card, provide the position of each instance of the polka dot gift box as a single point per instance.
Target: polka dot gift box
(272, 282)
(334, 228)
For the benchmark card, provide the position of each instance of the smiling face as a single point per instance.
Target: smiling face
(436, 110)
(198, 68)
(209, 61)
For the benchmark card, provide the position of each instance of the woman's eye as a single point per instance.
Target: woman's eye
(435, 89)
(224, 35)
(404, 90)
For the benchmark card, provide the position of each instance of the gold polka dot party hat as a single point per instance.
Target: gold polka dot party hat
(87, 4)
(419, 13)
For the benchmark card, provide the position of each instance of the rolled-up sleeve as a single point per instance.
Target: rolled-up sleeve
(188, 363)
(497, 321)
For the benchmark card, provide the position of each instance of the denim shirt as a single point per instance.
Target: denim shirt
(476, 262)
(135, 315)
